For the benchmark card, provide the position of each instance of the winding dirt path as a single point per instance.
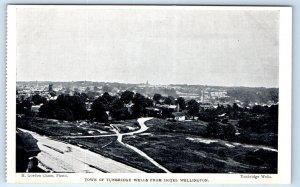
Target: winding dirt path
(143, 128)
(61, 160)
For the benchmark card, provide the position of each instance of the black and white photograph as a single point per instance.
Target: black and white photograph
(148, 89)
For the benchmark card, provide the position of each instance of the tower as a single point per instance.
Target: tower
(50, 88)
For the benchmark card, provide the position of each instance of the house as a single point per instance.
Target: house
(179, 116)
(153, 112)
(36, 108)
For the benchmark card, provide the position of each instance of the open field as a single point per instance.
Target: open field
(179, 147)
(52, 127)
(105, 143)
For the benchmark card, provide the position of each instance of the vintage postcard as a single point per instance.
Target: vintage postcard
(149, 94)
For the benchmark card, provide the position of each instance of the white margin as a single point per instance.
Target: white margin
(11, 94)
(285, 95)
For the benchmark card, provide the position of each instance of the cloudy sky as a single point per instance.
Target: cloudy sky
(163, 44)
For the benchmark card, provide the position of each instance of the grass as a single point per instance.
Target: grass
(170, 145)
(178, 146)
(106, 146)
(187, 127)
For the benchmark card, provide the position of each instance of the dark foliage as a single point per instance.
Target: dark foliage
(65, 108)
(221, 131)
(140, 103)
(192, 108)
(127, 96)
(181, 102)
(23, 107)
(157, 97)
(37, 99)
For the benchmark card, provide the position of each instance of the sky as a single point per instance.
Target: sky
(158, 44)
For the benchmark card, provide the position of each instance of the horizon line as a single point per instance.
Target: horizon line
(209, 85)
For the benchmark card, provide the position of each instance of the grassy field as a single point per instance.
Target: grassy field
(107, 146)
(180, 147)
(51, 127)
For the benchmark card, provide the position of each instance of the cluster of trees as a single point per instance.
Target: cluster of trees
(266, 122)
(65, 107)
(258, 125)
(127, 105)
(259, 95)
(24, 105)
(130, 105)
(221, 131)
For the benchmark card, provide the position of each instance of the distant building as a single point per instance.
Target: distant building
(153, 112)
(51, 91)
(187, 96)
(209, 95)
(50, 88)
(179, 116)
(36, 108)
(205, 106)
(218, 94)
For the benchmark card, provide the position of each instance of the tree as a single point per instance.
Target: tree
(64, 108)
(91, 95)
(214, 130)
(166, 113)
(118, 111)
(169, 100)
(181, 102)
(64, 114)
(84, 97)
(127, 96)
(108, 97)
(23, 107)
(73, 103)
(258, 109)
(99, 108)
(47, 110)
(229, 132)
(273, 111)
(37, 99)
(235, 107)
(140, 103)
(157, 97)
(193, 108)
(76, 93)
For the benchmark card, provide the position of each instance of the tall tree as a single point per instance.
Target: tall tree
(193, 108)
(140, 103)
(99, 108)
(181, 102)
(108, 97)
